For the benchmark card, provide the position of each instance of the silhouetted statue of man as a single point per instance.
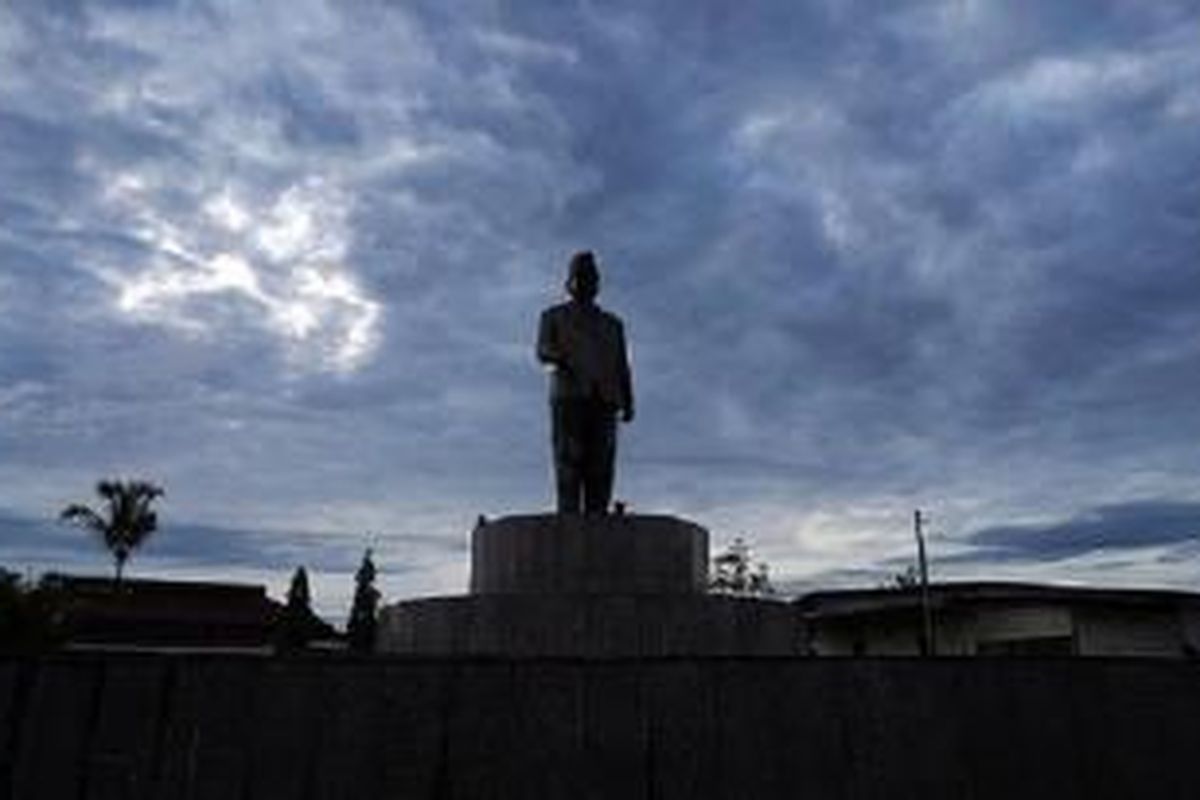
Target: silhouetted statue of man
(590, 385)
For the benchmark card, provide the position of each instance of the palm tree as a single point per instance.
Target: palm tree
(126, 519)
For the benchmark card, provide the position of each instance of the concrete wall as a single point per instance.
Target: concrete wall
(893, 634)
(1119, 632)
(156, 727)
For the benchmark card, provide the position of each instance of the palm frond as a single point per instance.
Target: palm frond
(82, 515)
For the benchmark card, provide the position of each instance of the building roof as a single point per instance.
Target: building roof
(157, 611)
(843, 602)
(182, 601)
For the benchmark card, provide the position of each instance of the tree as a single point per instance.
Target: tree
(299, 598)
(734, 572)
(909, 578)
(125, 520)
(29, 614)
(297, 624)
(361, 627)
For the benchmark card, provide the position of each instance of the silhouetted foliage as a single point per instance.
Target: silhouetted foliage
(298, 624)
(124, 521)
(361, 627)
(29, 614)
(734, 572)
(293, 624)
(299, 597)
(909, 578)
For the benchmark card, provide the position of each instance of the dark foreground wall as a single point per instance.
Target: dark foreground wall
(245, 728)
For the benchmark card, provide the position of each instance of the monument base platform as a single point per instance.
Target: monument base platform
(594, 626)
(605, 586)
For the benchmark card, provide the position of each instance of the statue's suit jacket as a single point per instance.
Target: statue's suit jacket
(586, 345)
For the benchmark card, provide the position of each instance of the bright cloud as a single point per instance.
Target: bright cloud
(285, 273)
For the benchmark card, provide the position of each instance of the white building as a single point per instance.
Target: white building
(1003, 619)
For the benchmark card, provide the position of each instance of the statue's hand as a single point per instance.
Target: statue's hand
(558, 361)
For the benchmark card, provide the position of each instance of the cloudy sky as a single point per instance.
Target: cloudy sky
(287, 259)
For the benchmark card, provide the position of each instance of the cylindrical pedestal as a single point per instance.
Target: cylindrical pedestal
(560, 554)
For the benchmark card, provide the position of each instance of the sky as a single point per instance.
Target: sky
(286, 258)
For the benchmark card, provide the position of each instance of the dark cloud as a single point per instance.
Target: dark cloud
(1123, 526)
(59, 546)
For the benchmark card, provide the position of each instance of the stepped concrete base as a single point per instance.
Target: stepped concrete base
(557, 554)
(610, 586)
(591, 626)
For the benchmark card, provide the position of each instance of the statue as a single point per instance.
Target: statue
(590, 384)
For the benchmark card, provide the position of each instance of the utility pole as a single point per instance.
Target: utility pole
(923, 564)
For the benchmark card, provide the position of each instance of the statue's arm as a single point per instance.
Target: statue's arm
(626, 378)
(549, 350)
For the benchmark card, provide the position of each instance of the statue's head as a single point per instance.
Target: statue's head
(583, 278)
